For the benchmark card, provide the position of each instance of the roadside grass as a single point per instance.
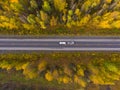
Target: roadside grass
(63, 31)
(60, 57)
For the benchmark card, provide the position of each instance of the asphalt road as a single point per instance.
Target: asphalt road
(52, 44)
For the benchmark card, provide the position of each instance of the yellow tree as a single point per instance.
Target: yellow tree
(49, 76)
(60, 4)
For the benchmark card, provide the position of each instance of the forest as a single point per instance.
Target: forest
(81, 69)
(37, 15)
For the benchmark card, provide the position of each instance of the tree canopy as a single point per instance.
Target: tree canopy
(32, 14)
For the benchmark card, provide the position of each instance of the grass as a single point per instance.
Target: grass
(59, 56)
(63, 31)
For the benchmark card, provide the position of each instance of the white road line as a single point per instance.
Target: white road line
(93, 40)
(60, 49)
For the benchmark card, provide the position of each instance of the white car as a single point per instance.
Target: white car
(62, 43)
(67, 43)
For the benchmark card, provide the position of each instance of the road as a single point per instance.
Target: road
(52, 44)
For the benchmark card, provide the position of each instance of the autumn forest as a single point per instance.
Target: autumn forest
(60, 70)
(78, 70)
(37, 15)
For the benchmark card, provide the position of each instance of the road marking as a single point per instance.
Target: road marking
(60, 49)
(93, 40)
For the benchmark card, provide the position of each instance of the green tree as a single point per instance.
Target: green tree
(46, 6)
